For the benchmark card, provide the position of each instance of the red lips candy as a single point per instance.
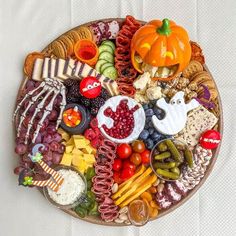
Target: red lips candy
(90, 87)
(210, 139)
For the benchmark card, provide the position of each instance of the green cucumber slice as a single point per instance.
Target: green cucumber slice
(110, 72)
(104, 66)
(105, 48)
(107, 56)
(110, 43)
(99, 64)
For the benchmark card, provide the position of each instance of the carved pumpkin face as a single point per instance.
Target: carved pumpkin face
(161, 44)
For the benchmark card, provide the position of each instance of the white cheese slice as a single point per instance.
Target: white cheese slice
(37, 71)
(69, 65)
(51, 68)
(45, 68)
(60, 64)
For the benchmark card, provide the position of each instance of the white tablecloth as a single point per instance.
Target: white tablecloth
(27, 26)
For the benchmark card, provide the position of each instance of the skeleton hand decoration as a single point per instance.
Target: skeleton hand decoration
(48, 88)
(175, 114)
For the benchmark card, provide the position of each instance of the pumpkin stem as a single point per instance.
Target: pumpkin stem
(165, 28)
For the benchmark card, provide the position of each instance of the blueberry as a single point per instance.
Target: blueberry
(145, 106)
(150, 124)
(149, 112)
(151, 131)
(146, 126)
(144, 134)
(156, 136)
(149, 143)
(148, 119)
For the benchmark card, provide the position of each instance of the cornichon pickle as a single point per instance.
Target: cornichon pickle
(162, 147)
(167, 174)
(174, 151)
(175, 170)
(189, 157)
(82, 212)
(162, 156)
(169, 165)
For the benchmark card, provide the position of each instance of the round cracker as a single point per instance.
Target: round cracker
(192, 68)
(58, 49)
(68, 44)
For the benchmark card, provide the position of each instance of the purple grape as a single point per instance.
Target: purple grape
(56, 158)
(53, 115)
(30, 85)
(18, 169)
(48, 156)
(47, 138)
(21, 149)
(51, 129)
(38, 139)
(61, 149)
(57, 137)
(54, 146)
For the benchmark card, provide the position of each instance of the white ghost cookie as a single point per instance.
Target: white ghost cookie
(175, 114)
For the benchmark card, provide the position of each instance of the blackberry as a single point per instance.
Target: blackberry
(97, 102)
(74, 91)
(71, 82)
(85, 101)
(94, 111)
(105, 94)
(70, 99)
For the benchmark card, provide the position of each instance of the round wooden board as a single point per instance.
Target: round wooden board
(219, 127)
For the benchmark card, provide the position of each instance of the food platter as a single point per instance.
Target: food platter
(54, 50)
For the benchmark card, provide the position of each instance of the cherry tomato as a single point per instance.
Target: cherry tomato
(126, 174)
(136, 158)
(117, 164)
(145, 156)
(138, 146)
(129, 165)
(117, 177)
(124, 150)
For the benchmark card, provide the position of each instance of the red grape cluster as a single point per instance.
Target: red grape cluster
(48, 135)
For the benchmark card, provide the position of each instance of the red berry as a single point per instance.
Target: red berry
(94, 123)
(90, 134)
(95, 142)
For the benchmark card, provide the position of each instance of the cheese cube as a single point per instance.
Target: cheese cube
(66, 159)
(78, 136)
(81, 143)
(70, 141)
(76, 160)
(77, 151)
(69, 148)
(89, 158)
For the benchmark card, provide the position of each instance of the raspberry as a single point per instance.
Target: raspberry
(97, 131)
(94, 123)
(90, 134)
(95, 143)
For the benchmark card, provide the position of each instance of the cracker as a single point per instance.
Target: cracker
(58, 49)
(192, 68)
(198, 121)
(68, 44)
